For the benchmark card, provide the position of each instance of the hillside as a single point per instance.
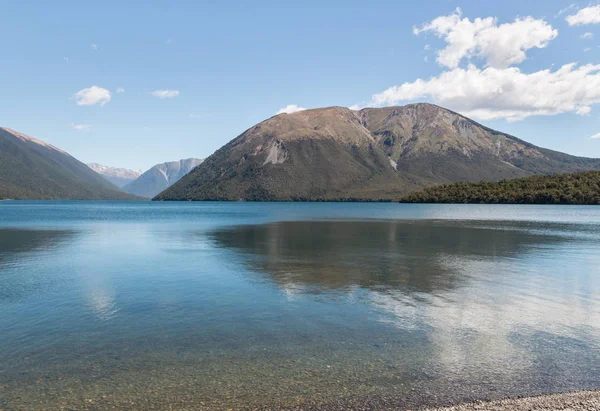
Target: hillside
(33, 169)
(578, 188)
(336, 153)
(161, 177)
(118, 176)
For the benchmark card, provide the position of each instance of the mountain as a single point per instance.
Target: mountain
(372, 154)
(33, 169)
(577, 188)
(161, 177)
(118, 176)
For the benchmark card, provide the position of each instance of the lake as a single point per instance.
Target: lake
(238, 305)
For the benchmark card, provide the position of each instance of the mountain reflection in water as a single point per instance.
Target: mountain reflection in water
(412, 256)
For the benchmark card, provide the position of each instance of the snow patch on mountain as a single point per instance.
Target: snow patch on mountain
(115, 171)
(118, 176)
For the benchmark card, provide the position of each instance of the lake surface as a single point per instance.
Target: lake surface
(238, 305)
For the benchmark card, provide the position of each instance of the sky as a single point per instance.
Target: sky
(132, 84)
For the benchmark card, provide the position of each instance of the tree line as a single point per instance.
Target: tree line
(577, 188)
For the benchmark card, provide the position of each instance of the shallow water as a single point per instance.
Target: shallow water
(235, 305)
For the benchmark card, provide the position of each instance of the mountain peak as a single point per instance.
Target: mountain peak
(160, 177)
(373, 153)
(124, 172)
(312, 123)
(118, 176)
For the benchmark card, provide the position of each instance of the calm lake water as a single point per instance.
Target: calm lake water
(236, 305)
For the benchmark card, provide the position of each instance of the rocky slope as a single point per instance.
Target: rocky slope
(373, 154)
(33, 169)
(161, 177)
(118, 176)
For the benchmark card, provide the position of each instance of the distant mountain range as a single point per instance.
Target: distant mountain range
(327, 154)
(33, 169)
(372, 154)
(160, 177)
(118, 176)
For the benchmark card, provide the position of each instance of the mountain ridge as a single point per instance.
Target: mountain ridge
(33, 169)
(335, 153)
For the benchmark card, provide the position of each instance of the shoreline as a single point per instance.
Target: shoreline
(571, 401)
(568, 401)
(578, 400)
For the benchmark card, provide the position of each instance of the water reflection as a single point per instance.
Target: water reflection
(100, 298)
(13, 241)
(415, 256)
(19, 246)
(146, 312)
(501, 303)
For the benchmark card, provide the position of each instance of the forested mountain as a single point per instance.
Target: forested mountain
(33, 169)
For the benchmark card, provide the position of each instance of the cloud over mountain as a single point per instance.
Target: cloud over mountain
(290, 108)
(504, 93)
(497, 88)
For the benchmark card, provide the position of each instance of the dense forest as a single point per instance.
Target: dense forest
(577, 188)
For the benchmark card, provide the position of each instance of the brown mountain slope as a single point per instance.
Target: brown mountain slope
(373, 154)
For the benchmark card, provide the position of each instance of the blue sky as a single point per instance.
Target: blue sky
(223, 66)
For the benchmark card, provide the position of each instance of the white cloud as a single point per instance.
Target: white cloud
(120, 90)
(81, 127)
(504, 93)
(566, 9)
(94, 47)
(588, 15)
(497, 89)
(355, 107)
(587, 36)
(427, 47)
(291, 108)
(92, 95)
(66, 59)
(162, 94)
(587, 49)
(596, 136)
(426, 59)
(583, 110)
(499, 45)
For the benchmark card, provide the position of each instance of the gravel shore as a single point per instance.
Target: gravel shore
(584, 400)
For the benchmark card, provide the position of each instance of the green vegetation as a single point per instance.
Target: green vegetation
(578, 188)
(33, 170)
